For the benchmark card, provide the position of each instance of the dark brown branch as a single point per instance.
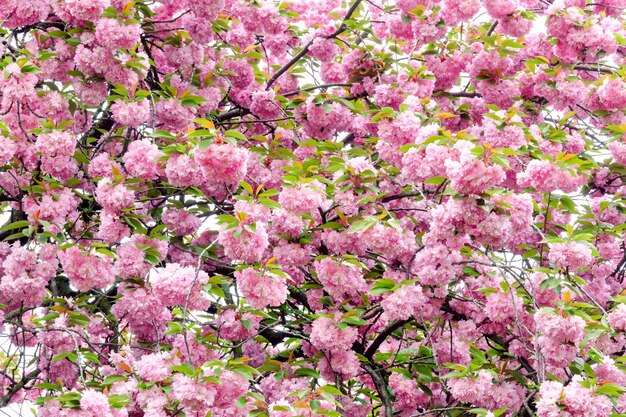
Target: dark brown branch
(594, 69)
(371, 350)
(306, 47)
(4, 401)
(456, 94)
(381, 387)
(398, 197)
(316, 87)
(237, 112)
(492, 28)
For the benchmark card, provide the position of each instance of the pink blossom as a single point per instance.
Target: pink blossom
(8, 149)
(155, 366)
(115, 34)
(343, 363)
(94, 404)
(85, 10)
(231, 325)
(223, 163)
(141, 160)
(143, 311)
(435, 265)
(172, 115)
(327, 335)
(182, 171)
(340, 278)
(500, 9)
(573, 399)
(408, 396)
(560, 328)
(245, 243)
(323, 49)
(131, 114)
(617, 317)
(114, 197)
(264, 105)
(111, 228)
(305, 198)
(25, 279)
(618, 151)
(182, 222)
(545, 177)
(176, 285)
(422, 165)
(86, 271)
(487, 392)
(262, 289)
(56, 143)
(193, 394)
(572, 255)
(454, 12)
(470, 175)
(131, 261)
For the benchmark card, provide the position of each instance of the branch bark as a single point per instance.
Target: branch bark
(342, 27)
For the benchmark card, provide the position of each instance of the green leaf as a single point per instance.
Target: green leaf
(112, 379)
(246, 187)
(20, 224)
(309, 373)
(382, 286)
(471, 271)
(435, 180)
(65, 355)
(244, 370)
(235, 134)
(49, 386)
(185, 369)
(78, 319)
(118, 400)
(331, 390)
(354, 321)
(363, 225)
(569, 204)
(611, 390)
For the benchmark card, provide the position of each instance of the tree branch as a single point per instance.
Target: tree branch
(371, 350)
(306, 47)
(4, 401)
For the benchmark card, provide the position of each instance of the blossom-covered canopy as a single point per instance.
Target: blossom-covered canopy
(235, 208)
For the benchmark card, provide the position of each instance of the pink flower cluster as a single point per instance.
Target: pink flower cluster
(572, 255)
(223, 163)
(142, 160)
(245, 243)
(117, 34)
(132, 114)
(340, 279)
(573, 399)
(488, 392)
(114, 197)
(57, 150)
(617, 317)
(335, 340)
(178, 285)
(262, 289)
(23, 277)
(326, 335)
(181, 222)
(559, 337)
(407, 301)
(470, 175)
(86, 271)
(408, 396)
(544, 176)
